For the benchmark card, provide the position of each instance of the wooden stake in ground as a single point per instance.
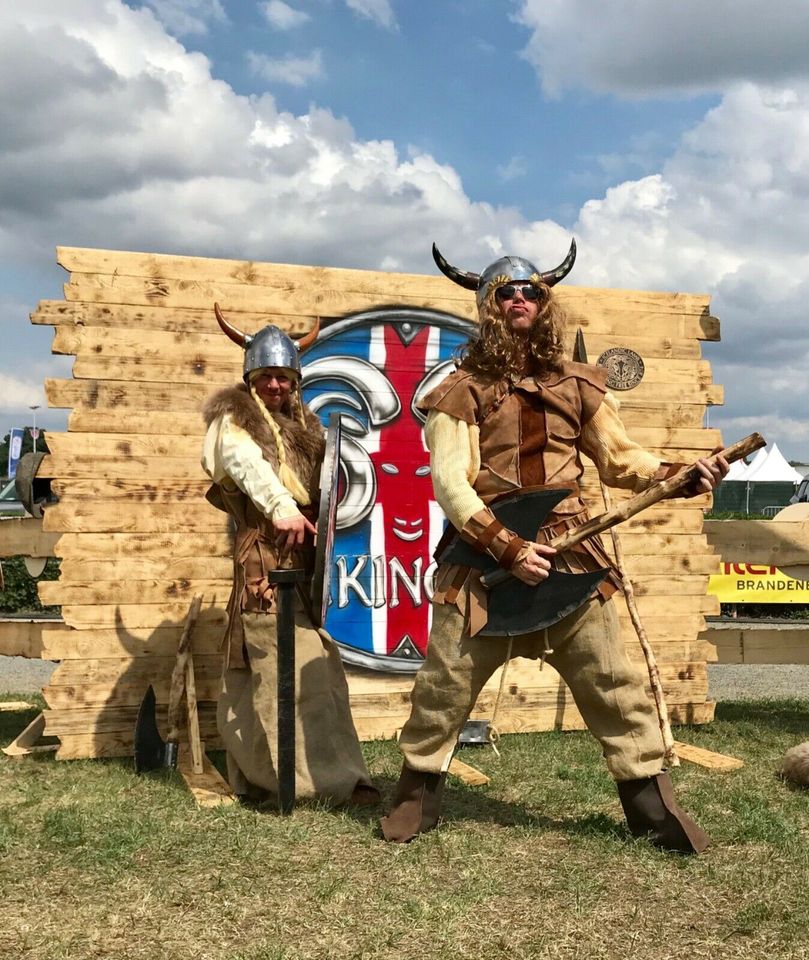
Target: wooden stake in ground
(194, 740)
(669, 751)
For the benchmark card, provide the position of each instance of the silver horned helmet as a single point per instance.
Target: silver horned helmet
(505, 270)
(270, 347)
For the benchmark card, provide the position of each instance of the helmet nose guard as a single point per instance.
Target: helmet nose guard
(504, 270)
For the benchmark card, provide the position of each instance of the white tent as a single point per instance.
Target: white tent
(773, 468)
(737, 468)
(755, 463)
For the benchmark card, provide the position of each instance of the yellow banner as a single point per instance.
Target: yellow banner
(757, 583)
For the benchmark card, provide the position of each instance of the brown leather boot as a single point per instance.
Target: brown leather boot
(652, 812)
(416, 805)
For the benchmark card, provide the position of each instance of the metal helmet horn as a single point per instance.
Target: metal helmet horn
(505, 270)
(270, 347)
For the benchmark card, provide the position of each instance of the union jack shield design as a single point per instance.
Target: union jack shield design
(371, 368)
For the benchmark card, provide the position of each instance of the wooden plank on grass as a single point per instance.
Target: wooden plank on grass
(28, 742)
(467, 774)
(207, 787)
(706, 758)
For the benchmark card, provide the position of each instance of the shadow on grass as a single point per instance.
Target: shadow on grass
(462, 804)
(781, 716)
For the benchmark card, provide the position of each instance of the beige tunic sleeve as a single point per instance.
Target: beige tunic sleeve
(230, 452)
(454, 464)
(620, 461)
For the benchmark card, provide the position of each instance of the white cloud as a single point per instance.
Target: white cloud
(113, 135)
(649, 48)
(18, 394)
(515, 168)
(380, 11)
(188, 17)
(291, 70)
(283, 17)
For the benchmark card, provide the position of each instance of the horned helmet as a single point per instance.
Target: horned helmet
(505, 270)
(270, 347)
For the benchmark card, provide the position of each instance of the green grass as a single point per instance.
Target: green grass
(97, 862)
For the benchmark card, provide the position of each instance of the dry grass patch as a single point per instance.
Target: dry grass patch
(100, 863)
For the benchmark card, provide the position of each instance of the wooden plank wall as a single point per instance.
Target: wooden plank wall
(137, 540)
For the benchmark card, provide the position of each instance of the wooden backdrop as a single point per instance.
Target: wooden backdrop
(137, 540)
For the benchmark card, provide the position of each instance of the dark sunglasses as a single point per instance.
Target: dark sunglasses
(508, 291)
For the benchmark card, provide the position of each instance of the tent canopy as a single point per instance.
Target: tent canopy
(773, 468)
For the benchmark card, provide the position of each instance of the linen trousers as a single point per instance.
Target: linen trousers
(328, 758)
(589, 655)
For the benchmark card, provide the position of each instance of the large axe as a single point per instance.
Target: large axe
(515, 608)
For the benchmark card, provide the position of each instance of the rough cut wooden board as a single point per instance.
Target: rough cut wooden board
(137, 539)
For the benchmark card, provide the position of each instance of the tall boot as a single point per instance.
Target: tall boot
(416, 805)
(651, 811)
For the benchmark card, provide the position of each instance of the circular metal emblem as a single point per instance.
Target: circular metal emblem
(624, 366)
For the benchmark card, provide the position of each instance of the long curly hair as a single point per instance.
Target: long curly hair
(497, 354)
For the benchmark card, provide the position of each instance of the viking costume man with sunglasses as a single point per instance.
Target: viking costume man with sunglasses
(517, 415)
(263, 451)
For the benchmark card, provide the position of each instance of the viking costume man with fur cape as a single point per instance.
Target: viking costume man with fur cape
(514, 416)
(263, 451)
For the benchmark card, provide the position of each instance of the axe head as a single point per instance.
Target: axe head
(151, 751)
(515, 608)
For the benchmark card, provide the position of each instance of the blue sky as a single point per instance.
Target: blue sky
(670, 139)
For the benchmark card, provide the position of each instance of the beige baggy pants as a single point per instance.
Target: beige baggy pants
(589, 655)
(328, 759)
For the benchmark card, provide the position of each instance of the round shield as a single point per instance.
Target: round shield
(371, 368)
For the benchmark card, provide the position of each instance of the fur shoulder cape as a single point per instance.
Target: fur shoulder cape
(303, 445)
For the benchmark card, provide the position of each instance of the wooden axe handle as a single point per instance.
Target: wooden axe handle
(658, 491)
(655, 493)
(178, 674)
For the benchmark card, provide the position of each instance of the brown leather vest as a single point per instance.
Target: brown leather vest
(254, 551)
(529, 435)
(529, 430)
